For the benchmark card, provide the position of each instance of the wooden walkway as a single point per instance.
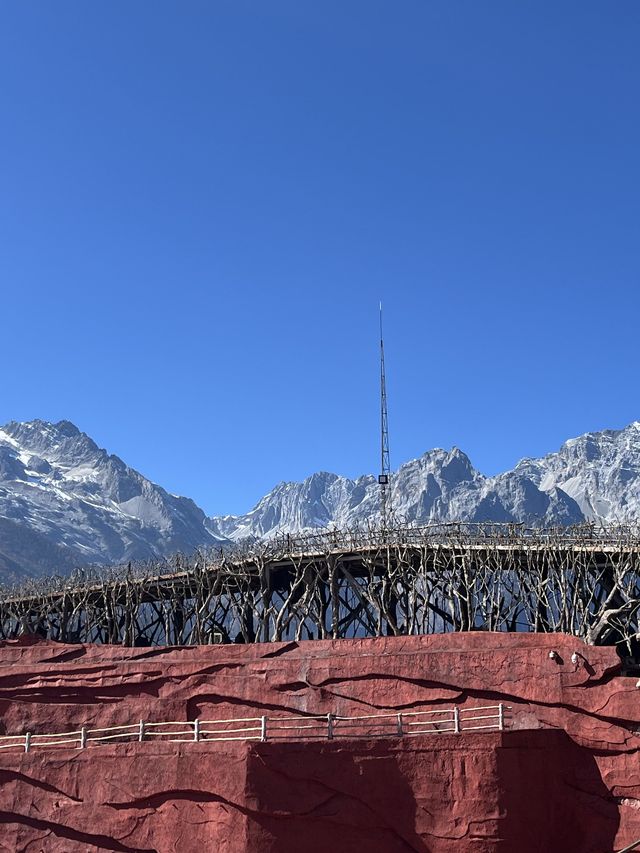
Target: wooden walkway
(351, 583)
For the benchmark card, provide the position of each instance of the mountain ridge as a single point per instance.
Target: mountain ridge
(65, 502)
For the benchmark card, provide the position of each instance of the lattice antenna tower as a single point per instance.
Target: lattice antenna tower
(384, 478)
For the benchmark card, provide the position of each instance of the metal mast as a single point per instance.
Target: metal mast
(384, 478)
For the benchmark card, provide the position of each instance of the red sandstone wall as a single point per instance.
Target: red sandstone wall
(572, 785)
(492, 792)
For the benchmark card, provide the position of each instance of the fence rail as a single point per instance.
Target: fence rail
(321, 726)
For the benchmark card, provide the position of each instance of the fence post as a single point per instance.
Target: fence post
(27, 741)
(263, 729)
(330, 726)
(456, 719)
(83, 737)
(400, 729)
(196, 729)
(501, 717)
(141, 731)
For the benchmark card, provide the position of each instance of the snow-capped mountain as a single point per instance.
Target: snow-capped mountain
(64, 503)
(439, 486)
(594, 477)
(599, 470)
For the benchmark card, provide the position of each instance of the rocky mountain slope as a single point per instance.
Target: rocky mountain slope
(439, 486)
(599, 470)
(64, 502)
(594, 477)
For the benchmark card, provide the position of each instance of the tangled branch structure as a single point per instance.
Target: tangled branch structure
(351, 583)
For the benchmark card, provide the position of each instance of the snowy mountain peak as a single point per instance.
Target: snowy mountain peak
(593, 477)
(54, 442)
(600, 470)
(65, 502)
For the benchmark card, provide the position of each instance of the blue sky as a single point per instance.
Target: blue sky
(201, 204)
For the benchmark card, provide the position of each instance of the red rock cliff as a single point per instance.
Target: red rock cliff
(564, 777)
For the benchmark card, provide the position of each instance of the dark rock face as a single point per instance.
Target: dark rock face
(562, 777)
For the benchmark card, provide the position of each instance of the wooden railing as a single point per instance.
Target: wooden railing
(633, 846)
(323, 726)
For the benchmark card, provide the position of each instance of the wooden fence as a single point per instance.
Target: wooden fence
(315, 726)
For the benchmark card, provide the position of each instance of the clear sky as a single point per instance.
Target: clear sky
(201, 204)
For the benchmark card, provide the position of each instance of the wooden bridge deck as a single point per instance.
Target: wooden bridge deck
(351, 583)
